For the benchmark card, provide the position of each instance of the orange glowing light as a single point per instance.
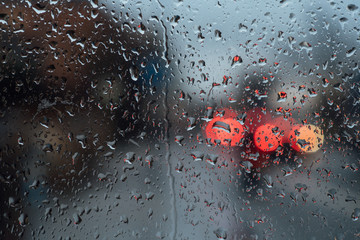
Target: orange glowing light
(306, 138)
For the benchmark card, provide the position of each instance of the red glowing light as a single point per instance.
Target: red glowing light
(267, 138)
(225, 129)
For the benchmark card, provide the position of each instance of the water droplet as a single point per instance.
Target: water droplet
(352, 7)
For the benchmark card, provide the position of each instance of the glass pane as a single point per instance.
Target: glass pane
(179, 120)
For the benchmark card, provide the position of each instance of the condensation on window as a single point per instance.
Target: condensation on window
(179, 119)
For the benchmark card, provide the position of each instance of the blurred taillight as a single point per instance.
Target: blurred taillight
(306, 138)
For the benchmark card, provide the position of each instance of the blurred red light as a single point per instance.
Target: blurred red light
(267, 138)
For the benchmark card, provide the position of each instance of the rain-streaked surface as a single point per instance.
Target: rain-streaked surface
(179, 119)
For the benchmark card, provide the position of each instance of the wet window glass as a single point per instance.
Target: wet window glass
(179, 119)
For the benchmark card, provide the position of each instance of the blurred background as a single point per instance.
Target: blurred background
(105, 106)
